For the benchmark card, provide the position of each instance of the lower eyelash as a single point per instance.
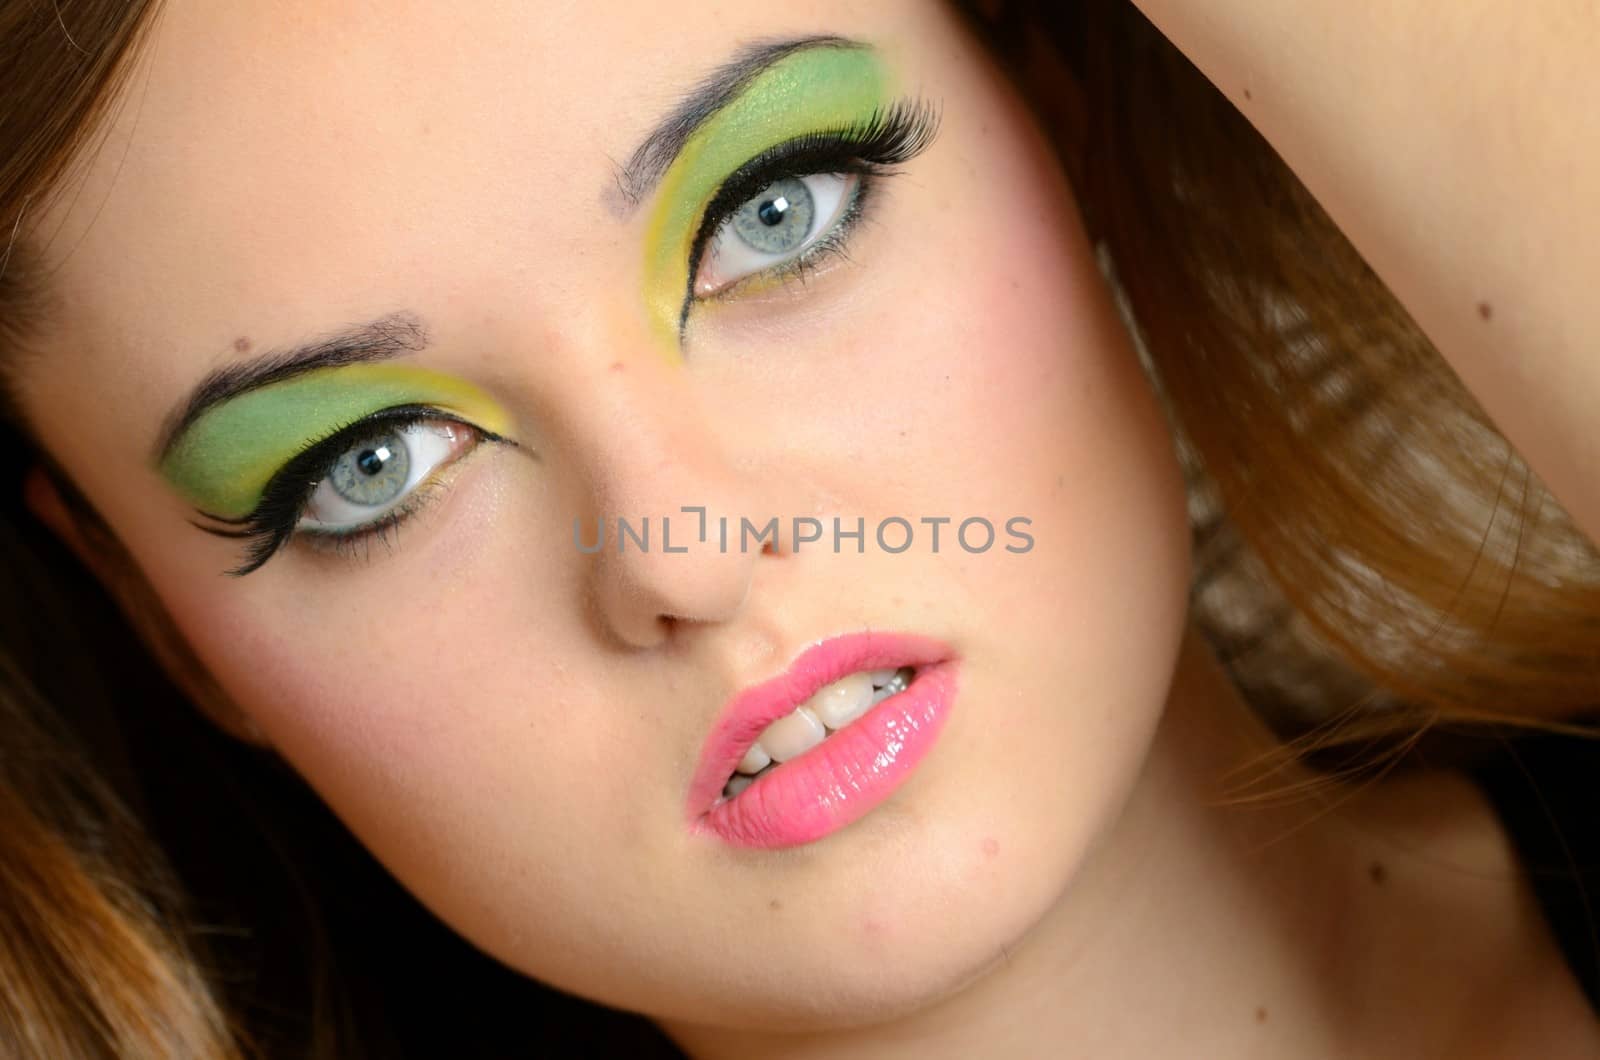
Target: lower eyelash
(872, 148)
(834, 244)
(273, 526)
(384, 530)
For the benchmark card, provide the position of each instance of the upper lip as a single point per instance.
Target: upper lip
(750, 711)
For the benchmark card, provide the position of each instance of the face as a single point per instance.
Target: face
(444, 312)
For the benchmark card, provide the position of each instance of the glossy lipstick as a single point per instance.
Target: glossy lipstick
(846, 775)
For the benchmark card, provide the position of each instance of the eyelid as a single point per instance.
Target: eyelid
(727, 265)
(869, 149)
(272, 523)
(223, 462)
(811, 89)
(430, 445)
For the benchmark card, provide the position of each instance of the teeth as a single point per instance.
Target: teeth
(793, 734)
(896, 684)
(843, 701)
(829, 710)
(755, 760)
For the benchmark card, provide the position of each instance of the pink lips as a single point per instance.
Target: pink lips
(847, 774)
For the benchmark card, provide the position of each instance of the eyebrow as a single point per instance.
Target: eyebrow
(376, 340)
(402, 332)
(655, 154)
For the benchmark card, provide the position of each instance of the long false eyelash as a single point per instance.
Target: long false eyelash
(887, 138)
(270, 525)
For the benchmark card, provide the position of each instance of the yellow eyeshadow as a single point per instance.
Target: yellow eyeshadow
(810, 91)
(226, 458)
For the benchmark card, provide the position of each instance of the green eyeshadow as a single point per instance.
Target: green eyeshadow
(226, 458)
(813, 90)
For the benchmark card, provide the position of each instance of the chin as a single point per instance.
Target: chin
(904, 910)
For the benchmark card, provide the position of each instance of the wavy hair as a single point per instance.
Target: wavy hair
(1373, 558)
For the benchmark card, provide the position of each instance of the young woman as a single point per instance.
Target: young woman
(676, 485)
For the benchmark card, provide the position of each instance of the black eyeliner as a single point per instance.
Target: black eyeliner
(889, 137)
(271, 523)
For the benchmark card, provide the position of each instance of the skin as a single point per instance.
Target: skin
(511, 725)
(1457, 146)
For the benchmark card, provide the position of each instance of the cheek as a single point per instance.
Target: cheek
(428, 695)
(1030, 401)
(1018, 385)
(465, 742)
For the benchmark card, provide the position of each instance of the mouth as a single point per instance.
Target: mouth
(801, 755)
(831, 709)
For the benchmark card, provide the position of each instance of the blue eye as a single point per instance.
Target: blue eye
(374, 477)
(775, 227)
(360, 482)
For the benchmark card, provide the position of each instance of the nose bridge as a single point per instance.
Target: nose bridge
(661, 484)
(651, 443)
(648, 453)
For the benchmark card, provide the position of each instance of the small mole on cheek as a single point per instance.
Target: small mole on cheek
(775, 905)
(1249, 94)
(241, 344)
(1485, 310)
(991, 847)
(1261, 1015)
(1378, 873)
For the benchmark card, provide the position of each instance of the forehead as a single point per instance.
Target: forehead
(277, 166)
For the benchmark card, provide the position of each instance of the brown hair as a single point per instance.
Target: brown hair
(95, 953)
(1346, 490)
(1372, 555)
(92, 949)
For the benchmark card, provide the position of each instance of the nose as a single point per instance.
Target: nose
(664, 539)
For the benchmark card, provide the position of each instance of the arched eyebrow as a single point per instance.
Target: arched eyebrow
(402, 332)
(656, 152)
(386, 337)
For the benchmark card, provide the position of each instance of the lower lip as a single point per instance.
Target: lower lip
(845, 776)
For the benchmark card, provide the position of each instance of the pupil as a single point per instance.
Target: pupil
(372, 460)
(771, 213)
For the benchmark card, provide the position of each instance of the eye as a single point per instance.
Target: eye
(780, 225)
(359, 482)
(374, 476)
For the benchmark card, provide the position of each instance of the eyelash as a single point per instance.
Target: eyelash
(869, 149)
(273, 522)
